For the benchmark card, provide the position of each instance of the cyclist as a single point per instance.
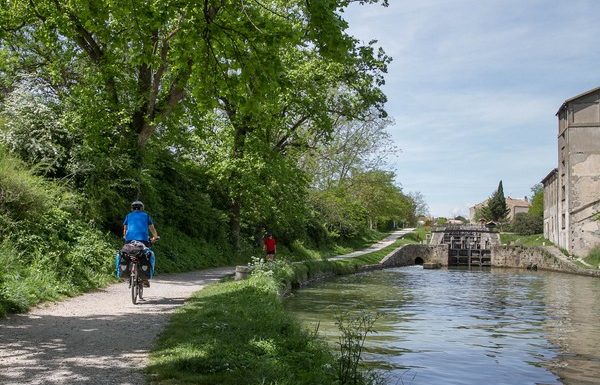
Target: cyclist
(137, 226)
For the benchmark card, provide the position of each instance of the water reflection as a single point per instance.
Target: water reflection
(469, 326)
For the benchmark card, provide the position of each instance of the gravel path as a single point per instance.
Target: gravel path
(96, 338)
(376, 246)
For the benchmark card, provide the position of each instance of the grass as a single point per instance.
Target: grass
(301, 251)
(420, 233)
(239, 333)
(48, 248)
(524, 240)
(593, 257)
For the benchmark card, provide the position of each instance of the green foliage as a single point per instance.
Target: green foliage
(593, 257)
(133, 80)
(524, 240)
(206, 111)
(354, 329)
(48, 249)
(33, 129)
(537, 202)
(497, 205)
(527, 224)
(365, 201)
(495, 209)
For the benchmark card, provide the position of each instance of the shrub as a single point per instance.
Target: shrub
(48, 248)
(526, 224)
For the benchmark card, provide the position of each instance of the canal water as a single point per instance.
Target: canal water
(468, 327)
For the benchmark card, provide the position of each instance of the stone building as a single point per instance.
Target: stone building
(515, 206)
(572, 190)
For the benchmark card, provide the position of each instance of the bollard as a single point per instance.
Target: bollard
(241, 272)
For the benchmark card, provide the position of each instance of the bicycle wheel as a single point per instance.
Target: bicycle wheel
(134, 284)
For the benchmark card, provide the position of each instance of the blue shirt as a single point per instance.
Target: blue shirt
(137, 223)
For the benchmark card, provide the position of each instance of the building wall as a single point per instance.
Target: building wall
(516, 210)
(579, 173)
(584, 186)
(551, 209)
(514, 205)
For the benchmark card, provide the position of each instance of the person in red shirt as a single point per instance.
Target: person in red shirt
(270, 247)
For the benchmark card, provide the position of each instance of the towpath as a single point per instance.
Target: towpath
(376, 246)
(95, 338)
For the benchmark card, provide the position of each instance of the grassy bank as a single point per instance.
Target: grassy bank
(48, 248)
(302, 250)
(593, 257)
(524, 240)
(239, 333)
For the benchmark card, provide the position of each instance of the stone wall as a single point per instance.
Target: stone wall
(538, 257)
(406, 255)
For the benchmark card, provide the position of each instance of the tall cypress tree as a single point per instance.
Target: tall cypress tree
(497, 205)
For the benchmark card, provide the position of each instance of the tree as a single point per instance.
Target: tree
(257, 81)
(421, 206)
(496, 209)
(527, 224)
(537, 202)
(354, 146)
(34, 131)
(381, 198)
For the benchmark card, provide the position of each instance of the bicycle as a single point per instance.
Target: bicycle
(137, 267)
(136, 283)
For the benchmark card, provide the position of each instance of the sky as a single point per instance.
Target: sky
(474, 87)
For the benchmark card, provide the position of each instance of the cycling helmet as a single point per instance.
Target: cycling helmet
(137, 205)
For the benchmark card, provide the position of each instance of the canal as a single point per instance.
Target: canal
(458, 326)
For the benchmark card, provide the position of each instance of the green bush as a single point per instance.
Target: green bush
(527, 224)
(48, 249)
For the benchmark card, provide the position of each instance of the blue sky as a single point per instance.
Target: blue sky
(474, 87)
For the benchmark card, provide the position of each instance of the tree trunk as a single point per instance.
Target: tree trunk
(235, 211)
(235, 207)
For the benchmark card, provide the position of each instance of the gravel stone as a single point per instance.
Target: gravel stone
(95, 338)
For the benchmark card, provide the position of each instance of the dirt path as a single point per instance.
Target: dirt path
(376, 246)
(96, 338)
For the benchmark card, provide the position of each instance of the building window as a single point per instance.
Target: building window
(563, 193)
(564, 225)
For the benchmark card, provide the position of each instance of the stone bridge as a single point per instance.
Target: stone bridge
(416, 255)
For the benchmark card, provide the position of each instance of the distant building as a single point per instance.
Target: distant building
(514, 205)
(572, 190)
